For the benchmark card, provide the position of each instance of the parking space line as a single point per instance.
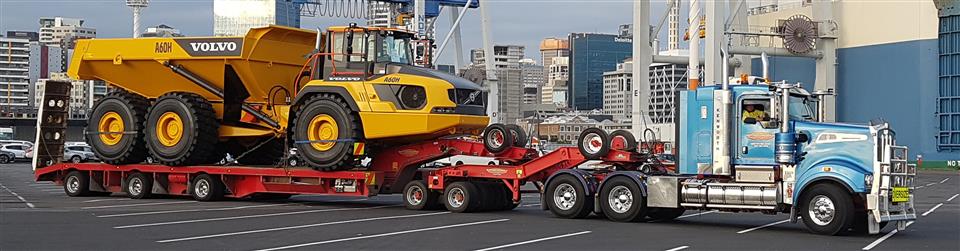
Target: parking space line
(42, 185)
(678, 248)
(385, 234)
(190, 210)
(944, 180)
(931, 209)
(534, 241)
(99, 200)
(532, 205)
(300, 226)
(696, 214)
(245, 217)
(138, 205)
(760, 227)
(881, 239)
(952, 197)
(17, 195)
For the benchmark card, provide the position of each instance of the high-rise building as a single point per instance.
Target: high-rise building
(386, 14)
(555, 89)
(617, 87)
(33, 36)
(504, 56)
(14, 77)
(510, 78)
(591, 55)
(64, 32)
(551, 48)
(161, 30)
(533, 79)
(236, 17)
(665, 80)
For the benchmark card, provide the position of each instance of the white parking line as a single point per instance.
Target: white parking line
(532, 205)
(138, 205)
(696, 214)
(944, 180)
(190, 210)
(385, 234)
(678, 248)
(931, 209)
(533, 241)
(760, 227)
(299, 227)
(245, 217)
(952, 197)
(43, 185)
(17, 195)
(881, 239)
(99, 200)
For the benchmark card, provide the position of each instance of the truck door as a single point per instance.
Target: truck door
(755, 143)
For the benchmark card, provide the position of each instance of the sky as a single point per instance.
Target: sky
(515, 22)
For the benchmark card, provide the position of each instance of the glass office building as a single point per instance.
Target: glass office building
(590, 56)
(236, 17)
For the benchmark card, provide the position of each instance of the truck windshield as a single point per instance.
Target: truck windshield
(800, 108)
(395, 48)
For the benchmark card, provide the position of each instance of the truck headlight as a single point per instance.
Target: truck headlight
(868, 180)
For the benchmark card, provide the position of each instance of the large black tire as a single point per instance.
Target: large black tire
(623, 140)
(198, 131)
(497, 138)
(417, 196)
(519, 135)
(206, 188)
(125, 144)
(566, 197)
(621, 200)
(462, 197)
(5, 159)
(139, 186)
(833, 210)
(76, 184)
(322, 155)
(593, 143)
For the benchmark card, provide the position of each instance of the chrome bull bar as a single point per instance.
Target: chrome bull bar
(892, 174)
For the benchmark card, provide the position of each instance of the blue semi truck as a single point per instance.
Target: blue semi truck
(753, 148)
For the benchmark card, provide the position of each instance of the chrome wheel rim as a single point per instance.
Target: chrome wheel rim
(456, 197)
(135, 187)
(565, 197)
(496, 138)
(75, 159)
(73, 184)
(415, 195)
(592, 143)
(821, 210)
(202, 188)
(620, 199)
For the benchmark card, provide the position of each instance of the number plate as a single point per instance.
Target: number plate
(900, 194)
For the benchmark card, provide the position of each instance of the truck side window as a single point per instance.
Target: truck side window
(755, 109)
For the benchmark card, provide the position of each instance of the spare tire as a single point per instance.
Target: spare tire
(519, 135)
(593, 143)
(497, 138)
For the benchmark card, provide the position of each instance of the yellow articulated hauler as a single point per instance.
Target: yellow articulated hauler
(336, 97)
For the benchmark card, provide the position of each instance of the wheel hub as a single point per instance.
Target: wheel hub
(136, 186)
(415, 195)
(169, 129)
(202, 188)
(323, 132)
(73, 184)
(110, 128)
(592, 143)
(565, 196)
(456, 197)
(821, 210)
(620, 199)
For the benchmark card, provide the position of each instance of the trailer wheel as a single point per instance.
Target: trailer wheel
(206, 188)
(115, 128)
(182, 129)
(519, 135)
(567, 198)
(496, 138)
(621, 200)
(139, 186)
(324, 133)
(826, 209)
(593, 143)
(76, 184)
(462, 197)
(665, 214)
(623, 140)
(508, 203)
(417, 196)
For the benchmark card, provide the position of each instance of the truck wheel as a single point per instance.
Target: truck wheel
(826, 209)
(206, 188)
(139, 186)
(567, 198)
(76, 184)
(182, 129)
(496, 138)
(664, 214)
(115, 128)
(623, 140)
(324, 133)
(417, 196)
(621, 200)
(461, 197)
(519, 135)
(508, 198)
(593, 143)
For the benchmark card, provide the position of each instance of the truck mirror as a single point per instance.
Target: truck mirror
(750, 121)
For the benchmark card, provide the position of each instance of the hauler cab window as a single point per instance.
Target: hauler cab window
(394, 47)
(357, 53)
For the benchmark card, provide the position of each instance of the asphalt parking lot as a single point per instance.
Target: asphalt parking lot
(39, 216)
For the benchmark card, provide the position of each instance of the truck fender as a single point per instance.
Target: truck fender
(636, 176)
(339, 90)
(834, 177)
(587, 180)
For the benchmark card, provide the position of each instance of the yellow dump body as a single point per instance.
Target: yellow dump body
(264, 58)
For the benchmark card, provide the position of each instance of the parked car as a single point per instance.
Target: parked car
(10, 141)
(6, 157)
(19, 150)
(78, 153)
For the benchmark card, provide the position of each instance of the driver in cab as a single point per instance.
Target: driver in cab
(750, 111)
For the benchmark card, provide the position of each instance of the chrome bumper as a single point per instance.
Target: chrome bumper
(890, 170)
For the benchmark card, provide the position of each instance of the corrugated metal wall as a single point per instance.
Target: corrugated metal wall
(948, 101)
